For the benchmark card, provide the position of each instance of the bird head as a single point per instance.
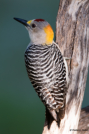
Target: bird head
(40, 31)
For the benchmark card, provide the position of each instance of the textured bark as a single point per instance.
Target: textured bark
(72, 36)
(83, 127)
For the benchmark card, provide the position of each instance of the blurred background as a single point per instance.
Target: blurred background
(21, 111)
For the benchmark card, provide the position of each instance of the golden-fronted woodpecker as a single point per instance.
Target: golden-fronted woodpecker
(46, 66)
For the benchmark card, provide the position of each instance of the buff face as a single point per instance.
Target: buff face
(40, 32)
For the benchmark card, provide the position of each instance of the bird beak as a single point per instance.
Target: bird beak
(24, 22)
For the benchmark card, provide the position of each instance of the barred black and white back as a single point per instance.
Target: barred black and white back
(47, 72)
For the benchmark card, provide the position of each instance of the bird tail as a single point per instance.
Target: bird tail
(51, 115)
(61, 113)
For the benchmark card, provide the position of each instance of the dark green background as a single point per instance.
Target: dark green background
(21, 111)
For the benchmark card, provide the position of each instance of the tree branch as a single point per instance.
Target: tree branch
(83, 126)
(72, 36)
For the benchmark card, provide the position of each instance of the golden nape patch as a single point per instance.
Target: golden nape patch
(49, 34)
(28, 22)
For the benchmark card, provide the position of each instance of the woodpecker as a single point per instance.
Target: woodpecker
(46, 66)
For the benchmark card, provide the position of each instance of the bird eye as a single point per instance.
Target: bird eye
(33, 25)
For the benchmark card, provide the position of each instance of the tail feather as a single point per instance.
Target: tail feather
(49, 118)
(52, 115)
(61, 113)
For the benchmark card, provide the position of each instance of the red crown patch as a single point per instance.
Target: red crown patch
(39, 20)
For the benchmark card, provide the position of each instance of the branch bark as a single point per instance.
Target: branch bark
(72, 36)
(83, 126)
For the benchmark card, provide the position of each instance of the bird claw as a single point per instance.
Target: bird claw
(67, 58)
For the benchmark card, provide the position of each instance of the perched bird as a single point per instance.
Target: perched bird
(46, 67)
